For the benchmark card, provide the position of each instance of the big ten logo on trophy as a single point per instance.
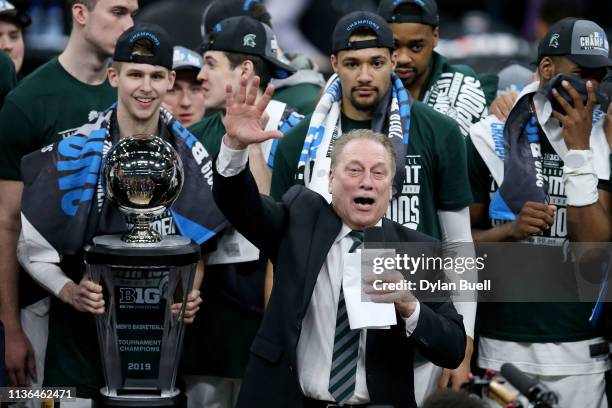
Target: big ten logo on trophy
(141, 287)
(139, 296)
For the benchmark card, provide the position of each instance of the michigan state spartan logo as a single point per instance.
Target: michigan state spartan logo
(554, 41)
(249, 40)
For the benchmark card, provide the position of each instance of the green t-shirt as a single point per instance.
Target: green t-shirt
(456, 91)
(436, 169)
(48, 105)
(534, 322)
(210, 131)
(8, 77)
(302, 97)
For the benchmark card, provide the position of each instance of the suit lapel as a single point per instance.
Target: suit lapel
(389, 232)
(325, 231)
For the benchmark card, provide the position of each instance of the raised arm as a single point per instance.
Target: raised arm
(588, 217)
(257, 217)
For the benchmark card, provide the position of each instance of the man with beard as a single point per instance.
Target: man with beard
(562, 144)
(46, 106)
(430, 192)
(56, 230)
(453, 90)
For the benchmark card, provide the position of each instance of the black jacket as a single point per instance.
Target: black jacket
(297, 233)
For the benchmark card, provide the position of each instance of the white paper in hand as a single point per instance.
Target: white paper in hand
(363, 315)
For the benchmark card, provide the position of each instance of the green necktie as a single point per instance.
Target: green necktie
(346, 346)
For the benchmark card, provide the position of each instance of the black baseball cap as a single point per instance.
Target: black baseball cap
(351, 22)
(219, 10)
(8, 12)
(245, 35)
(582, 41)
(184, 59)
(162, 47)
(425, 12)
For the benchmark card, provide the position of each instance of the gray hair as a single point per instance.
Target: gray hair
(363, 134)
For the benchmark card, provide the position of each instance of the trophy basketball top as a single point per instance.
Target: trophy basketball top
(143, 176)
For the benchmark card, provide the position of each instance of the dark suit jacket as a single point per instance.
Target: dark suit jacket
(297, 233)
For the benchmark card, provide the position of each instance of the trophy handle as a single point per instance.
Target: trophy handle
(141, 232)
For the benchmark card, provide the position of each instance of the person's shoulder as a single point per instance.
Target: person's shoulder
(306, 195)
(406, 234)
(295, 135)
(198, 129)
(302, 200)
(425, 116)
(447, 67)
(43, 73)
(5, 62)
(38, 83)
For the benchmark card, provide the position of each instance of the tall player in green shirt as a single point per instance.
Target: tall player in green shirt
(46, 106)
(434, 195)
(453, 90)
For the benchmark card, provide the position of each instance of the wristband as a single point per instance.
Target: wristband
(580, 178)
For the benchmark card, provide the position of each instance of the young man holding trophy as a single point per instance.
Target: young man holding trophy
(66, 203)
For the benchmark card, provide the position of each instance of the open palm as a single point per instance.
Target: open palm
(244, 115)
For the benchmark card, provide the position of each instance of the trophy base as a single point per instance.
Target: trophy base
(105, 401)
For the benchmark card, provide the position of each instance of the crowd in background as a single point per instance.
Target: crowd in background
(475, 84)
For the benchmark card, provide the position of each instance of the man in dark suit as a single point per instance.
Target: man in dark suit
(305, 354)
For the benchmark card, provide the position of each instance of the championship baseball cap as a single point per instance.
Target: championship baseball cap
(582, 41)
(351, 22)
(219, 10)
(162, 47)
(424, 12)
(245, 35)
(184, 59)
(10, 13)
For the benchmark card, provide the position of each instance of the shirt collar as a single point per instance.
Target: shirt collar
(344, 231)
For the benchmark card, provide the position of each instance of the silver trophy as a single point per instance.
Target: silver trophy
(143, 177)
(143, 275)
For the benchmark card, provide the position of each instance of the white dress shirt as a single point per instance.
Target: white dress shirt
(316, 342)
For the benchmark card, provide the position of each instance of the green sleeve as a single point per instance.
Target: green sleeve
(18, 137)
(287, 157)
(197, 129)
(209, 131)
(479, 175)
(489, 83)
(452, 182)
(302, 97)
(8, 77)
